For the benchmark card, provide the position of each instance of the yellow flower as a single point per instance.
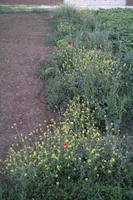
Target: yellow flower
(93, 151)
(34, 153)
(112, 160)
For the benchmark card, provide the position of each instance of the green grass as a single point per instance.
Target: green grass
(21, 9)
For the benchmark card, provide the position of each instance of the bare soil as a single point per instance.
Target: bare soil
(30, 2)
(21, 49)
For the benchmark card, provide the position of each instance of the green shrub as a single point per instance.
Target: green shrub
(64, 163)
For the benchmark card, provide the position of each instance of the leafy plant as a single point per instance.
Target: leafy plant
(119, 24)
(89, 74)
(64, 163)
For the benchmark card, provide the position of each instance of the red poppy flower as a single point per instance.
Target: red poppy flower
(46, 62)
(65, 146)
(69, 43)
(86, 38)
(52, 60)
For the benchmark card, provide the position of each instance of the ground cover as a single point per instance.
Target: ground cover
(119, 24)
(83, 155)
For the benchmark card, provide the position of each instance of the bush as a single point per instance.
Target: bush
(64, 163)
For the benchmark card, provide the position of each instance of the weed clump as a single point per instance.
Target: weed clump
(70, 160)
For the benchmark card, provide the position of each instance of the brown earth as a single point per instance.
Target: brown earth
(21, 49)
(30, 2)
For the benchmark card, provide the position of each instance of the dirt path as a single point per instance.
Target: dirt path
(29, 2)
(21, 48)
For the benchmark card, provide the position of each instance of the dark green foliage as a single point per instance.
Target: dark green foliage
(70, 164)
(119, 24)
